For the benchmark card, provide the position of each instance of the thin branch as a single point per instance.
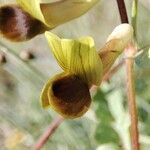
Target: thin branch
(134, 17)
(122, 11)
(144, 47)
(111, 72)
(48, 133)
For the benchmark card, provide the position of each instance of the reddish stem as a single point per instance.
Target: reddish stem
(51, 129)
(122, 11)
(130, 51)
(111, 72)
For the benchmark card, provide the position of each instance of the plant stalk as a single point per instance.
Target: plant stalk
(132, 104)
(49, 131)
(130, 53)
(134, 17)
(122, 11)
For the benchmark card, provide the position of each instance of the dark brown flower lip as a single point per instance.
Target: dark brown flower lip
(67, 88)
(69, 96)
(18, 25)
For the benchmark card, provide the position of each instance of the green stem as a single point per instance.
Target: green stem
(134, 17)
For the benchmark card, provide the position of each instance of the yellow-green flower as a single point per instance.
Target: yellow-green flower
(31, 17)
(68, 92)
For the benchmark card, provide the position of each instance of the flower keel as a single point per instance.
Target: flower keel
(67, 94)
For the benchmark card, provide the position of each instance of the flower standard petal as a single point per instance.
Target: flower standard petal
(59, 12)
(56, 47)
(33, 8)
(78, 57)
(53, 14)
(84, 61)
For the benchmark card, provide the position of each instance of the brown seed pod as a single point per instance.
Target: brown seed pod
(17, 25)
(68, 95)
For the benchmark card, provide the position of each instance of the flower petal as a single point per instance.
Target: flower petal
(55, 13)
(44, 95)
(77, 57)
(62, 11)
(56, 47)
(68, 95)
(85, 62)
(33, 8)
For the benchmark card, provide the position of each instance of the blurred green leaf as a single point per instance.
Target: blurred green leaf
(102, 110)
(143, 60)
(106, 134)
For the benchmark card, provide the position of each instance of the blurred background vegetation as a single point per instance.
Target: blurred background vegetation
(106, 125)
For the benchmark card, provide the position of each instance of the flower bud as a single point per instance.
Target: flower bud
(116, 43)
(124, 33)
(67, 94)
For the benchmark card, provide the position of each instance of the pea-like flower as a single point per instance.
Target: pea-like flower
(29, 18)
(68, 92)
